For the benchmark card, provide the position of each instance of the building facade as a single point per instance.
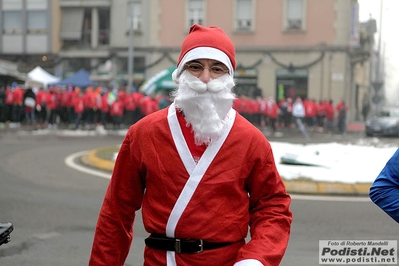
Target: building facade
(284, 48)
(27, 32)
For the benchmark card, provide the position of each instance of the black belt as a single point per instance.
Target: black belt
(180, 245)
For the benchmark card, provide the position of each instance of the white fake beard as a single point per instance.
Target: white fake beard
(205, 105)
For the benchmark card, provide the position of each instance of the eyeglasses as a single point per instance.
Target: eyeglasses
(197, 68)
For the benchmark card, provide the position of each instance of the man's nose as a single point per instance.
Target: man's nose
(205, 75)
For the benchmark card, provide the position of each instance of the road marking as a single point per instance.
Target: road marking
(48, 235)
(70, 161)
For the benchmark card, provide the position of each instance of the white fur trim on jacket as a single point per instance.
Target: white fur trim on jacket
(203, 53)
(248, 262)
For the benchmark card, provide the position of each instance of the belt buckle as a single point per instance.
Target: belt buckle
(201, 246)
(177, 245)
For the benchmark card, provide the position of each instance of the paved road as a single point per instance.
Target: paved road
(54, 207)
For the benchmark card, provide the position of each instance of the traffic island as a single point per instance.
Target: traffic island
(101, 158)
(104, 159)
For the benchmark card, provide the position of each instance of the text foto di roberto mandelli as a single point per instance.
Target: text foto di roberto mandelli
(355, 251)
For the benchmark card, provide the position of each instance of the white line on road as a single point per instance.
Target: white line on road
(70, 161)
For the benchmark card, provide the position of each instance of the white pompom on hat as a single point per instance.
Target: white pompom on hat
(206, 43)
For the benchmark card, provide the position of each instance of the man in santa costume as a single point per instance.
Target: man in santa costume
(201, 174)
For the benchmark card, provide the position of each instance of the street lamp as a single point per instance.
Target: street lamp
(130, 52)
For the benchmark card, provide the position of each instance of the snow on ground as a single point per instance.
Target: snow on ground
(345, 163)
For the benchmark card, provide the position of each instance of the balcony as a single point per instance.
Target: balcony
(85, 3)
(85, 42)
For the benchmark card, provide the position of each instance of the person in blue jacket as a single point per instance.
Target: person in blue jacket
(385, 189)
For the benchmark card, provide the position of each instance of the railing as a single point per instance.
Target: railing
(86, 40)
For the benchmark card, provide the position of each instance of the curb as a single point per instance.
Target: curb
(96, 159)
(93, 158)
(327, 188)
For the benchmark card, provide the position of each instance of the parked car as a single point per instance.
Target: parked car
(384, 123)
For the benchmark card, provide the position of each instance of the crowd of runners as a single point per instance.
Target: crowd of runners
(85, 108)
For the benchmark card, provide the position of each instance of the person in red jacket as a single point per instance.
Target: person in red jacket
(242, 106)
(310, 112)
(17, 101)
(97, 95)
(116, 112)
(272, 112)
(149, 105)
(130, 109)
(200, 173)
(138, 97)
(63, 108)
(89, 99)
(321, 114)
(340, 104)
(8, 104)
(71, 94)
(78, 107)
(53, 101)
(104, 107)
(329, 109)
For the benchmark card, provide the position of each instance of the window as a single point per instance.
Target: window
(195, 12)
(86, 34)
(243, 14)
(135, 17)
(12, 5)
(36, 4)
(294, 14)
(36, 21)
(78, 63)
(12, 22)
(72, 24)
(104, 25)
(138, 64)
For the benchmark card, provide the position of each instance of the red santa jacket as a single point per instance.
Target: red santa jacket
(104, 103)
(239, 188)
(329, 111)
(9, 99)
(41, 98)
(89, 99)
(149, 105)
(130, 103)
(116, 108)
(272, 110)
(79, 105)
(17, 96)
(52, 100)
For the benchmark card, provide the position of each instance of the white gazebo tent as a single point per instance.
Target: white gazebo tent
(40, 76)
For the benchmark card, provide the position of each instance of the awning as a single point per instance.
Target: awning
(72, 23)
(40, 77)
(162, 81)
(9, 72)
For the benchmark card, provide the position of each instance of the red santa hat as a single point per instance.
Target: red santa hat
(207, 43)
